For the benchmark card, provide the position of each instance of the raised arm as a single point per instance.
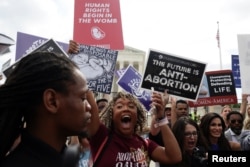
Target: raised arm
(243, 106)
(170, 153)
(95, 120)
(173, 112)
(155, 130)
(73, 47)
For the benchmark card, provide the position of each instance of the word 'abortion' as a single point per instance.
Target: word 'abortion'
(175, 82)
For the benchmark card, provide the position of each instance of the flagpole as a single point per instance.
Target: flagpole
(219, 45)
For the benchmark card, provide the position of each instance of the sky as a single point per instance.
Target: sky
(186, 28)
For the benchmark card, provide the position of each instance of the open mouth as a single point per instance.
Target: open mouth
(126, 119)
(191, 143)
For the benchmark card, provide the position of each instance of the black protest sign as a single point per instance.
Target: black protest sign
(180, 76)
(49, 46)
(221, 83)
(221, 89)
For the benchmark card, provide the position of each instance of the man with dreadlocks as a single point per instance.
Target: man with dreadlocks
(114, 136)
(50, 95)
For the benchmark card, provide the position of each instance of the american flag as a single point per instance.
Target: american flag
(218, 37)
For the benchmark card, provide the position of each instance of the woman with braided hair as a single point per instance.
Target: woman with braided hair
(50, 95)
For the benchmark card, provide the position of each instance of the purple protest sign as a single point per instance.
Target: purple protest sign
(118, 73)
(26, 43)
(130, 82)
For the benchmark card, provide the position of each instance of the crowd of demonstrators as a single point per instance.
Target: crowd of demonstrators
(52, 102)
(235, 125)
(213, 127)
(214, 133)
(48, 93)
(192, 143)
(114, 134)
(121, 125)
(179, 108)
(155, 132)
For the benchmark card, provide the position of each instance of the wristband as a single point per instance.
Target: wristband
(161, 118)
(161, 122)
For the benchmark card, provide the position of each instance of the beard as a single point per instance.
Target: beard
(236, 131)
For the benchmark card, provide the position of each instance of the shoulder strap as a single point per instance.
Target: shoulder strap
(101, 148)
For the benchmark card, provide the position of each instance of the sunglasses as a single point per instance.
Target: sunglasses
(234, 121)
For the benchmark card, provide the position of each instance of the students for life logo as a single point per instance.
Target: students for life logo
(97, 33)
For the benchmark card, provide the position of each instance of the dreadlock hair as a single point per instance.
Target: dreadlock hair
(23, 90)
(107, 114)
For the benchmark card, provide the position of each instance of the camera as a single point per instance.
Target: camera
(200, 155)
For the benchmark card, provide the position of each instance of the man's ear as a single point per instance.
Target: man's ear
(50, 100)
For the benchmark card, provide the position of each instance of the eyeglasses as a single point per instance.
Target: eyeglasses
(190, 134)
(234, 121)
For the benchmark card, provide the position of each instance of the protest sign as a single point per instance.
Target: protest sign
(180, 76)
(130, 81)
(244, 59)
(220, 89)
(98, 66)
(236, 70)
(49, 46)
(6, 64)
(27, 43)
(98, 23)
(118, 73)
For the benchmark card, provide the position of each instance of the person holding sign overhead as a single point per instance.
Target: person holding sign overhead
(91, 66)
(115, 137)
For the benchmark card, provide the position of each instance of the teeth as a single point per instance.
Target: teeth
(126, 118)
